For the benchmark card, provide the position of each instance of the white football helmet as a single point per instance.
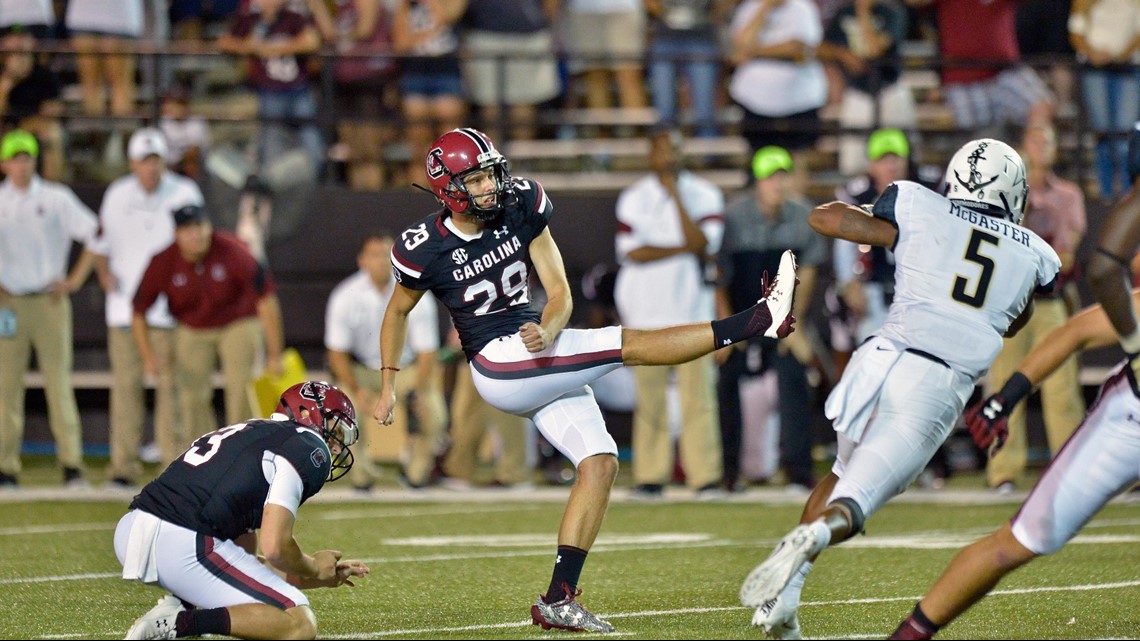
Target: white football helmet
(989, 172)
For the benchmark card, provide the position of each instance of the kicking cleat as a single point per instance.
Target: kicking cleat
(767, 580)
(567, 614)
(778, 620)
(779, 296)
(159, 621)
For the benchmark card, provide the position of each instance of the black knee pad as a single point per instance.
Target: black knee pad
(857, 517)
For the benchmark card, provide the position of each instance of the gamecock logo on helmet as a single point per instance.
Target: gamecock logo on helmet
(435, 167)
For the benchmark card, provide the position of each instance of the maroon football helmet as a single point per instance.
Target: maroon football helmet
(330, 414)
(460, 152)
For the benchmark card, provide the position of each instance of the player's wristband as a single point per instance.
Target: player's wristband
(1015, 389)
(1131, 343)
(394, 369)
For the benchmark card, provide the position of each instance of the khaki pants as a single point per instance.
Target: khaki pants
(470, 415)
(196, 353)
(43, 324)
(128, 401)
(416, 450)
(1062, 401)
(700, 427)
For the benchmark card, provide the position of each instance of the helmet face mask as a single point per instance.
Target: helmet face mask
(327, 411)
(454, 157)
(989, 173)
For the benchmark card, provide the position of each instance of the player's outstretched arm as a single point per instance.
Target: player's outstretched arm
(988, 420)
(1088, 329)
(840, 220)
(284, 553)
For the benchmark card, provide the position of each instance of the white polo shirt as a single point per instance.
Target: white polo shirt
(356, 310)
(37, 226)
(671, 290)
(134, 225)
(26, 12)
(112, 17)
(774, 88)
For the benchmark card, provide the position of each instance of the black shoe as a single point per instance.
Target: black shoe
(73, 478)
(648, 491)
(9, 481)
(121, 483)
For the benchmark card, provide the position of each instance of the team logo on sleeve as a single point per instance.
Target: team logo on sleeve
(318, 457)
(435, 167)
(459, 256)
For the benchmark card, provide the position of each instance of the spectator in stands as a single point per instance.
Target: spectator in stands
(30, 100)
(217, 293)
(431, 82)
(187, 136)
(683, 40)
(983, 79)
(470, 418)
(510, 62)
(36, 17)
(39, 220)
(352, 342)
(863, 39)
(101, 32)
(1043, 33)
(778, 81)
(669, 226)
(274, 39)
(605, 42)
(198, 20)
(758, 227)
(365, 95)
(1106, 35)
(1056, 212)
(134, 225)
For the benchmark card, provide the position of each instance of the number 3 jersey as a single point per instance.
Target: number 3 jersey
(961, 277)
(221, 484)
(482, 280)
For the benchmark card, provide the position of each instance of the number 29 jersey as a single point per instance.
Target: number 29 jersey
(961, 277)
(482, 280)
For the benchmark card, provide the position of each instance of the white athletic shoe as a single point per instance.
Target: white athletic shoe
(158, 622)
(778, 620)
(779, 297)
(767, 580)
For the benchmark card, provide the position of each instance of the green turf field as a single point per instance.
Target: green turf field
(467, 566)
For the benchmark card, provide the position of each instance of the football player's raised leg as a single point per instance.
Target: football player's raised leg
(771, 316)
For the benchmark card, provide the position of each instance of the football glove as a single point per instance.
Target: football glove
(989, 423)
(989, 420)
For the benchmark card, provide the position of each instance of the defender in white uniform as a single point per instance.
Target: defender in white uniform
(965, 274)
(1099, 461)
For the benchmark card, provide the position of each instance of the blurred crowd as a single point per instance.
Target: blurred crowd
(362, 86)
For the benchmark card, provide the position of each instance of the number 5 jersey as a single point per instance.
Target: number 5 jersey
(961, 277)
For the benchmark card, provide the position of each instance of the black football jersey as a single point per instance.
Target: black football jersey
(217, 487)
(483, 282)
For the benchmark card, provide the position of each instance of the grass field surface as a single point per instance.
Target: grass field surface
(447, 565)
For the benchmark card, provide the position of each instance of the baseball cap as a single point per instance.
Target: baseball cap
(147, 142)
(18, 141)
(190, 214)
(768, 160)
(887, 141)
